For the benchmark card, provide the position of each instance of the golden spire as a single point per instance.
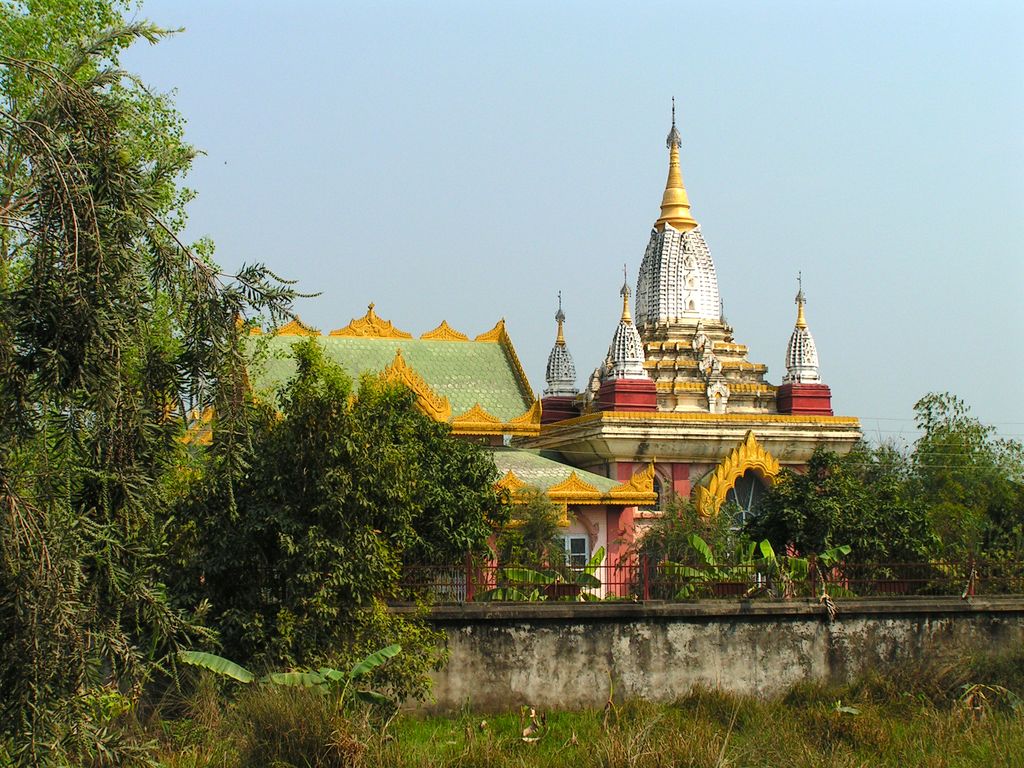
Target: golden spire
(801, 321)
(626, 317)
(675, 203)
(560, 318)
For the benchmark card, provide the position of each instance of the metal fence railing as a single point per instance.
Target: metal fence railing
(641, 578)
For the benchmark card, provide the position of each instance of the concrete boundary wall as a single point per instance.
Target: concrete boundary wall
(563, 655)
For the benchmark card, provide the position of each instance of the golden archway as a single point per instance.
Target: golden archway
(749, 455)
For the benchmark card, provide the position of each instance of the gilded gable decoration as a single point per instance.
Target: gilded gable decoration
(749, 455)
(639, 489)
(296, 328)
(434, 405)
(371, 325)
(444, 332)
(477, 421)
(494, 334)
(510, 482)
(574, 490)
(528, 423)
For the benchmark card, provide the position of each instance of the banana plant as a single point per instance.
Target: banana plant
(324, 680)
(788, 571)
(695, 578)
(529, 585)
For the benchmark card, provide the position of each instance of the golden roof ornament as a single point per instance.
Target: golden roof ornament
(675, 203)
(560, 319)
(371, 325)
(801, 321)
(624, 293)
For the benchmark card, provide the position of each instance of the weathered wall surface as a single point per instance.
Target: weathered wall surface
(564, 654)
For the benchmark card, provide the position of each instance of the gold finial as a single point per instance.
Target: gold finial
(675, 203)
(626, 317)
(801, 321)
(560, 318)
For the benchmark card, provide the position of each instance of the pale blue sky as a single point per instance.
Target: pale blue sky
(465, 161)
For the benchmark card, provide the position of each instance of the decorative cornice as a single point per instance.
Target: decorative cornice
(371, 325)
(434, 405)
(700, 386)
(749, 455)
(296, 328)
(698, 416)
(444, 332)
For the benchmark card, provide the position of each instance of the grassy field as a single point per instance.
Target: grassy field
(965, 714)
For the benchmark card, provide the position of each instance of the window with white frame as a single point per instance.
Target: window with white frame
(577, 551)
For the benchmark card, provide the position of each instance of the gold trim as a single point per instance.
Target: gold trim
(639, 487)
(749, 455)
(500, 335)
(444, 332)
(510, 482)
(575, 488)
(371, 325)
(530, 419)
(477, 421)
(684, 416)
(296, 328)
(494, 334)
(434, 405)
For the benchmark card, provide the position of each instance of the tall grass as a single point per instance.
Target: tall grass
(913, 716)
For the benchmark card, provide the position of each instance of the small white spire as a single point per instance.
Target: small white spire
(561, 370)
(801, 353)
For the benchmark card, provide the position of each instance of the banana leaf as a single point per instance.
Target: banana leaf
(374, 660)
(218, 664)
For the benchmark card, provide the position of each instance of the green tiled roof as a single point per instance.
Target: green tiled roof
(537, 470)
(465, 372)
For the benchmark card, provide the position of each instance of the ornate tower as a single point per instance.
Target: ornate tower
(625, 384)
(802, 391)
(559, 400)
(689, 347)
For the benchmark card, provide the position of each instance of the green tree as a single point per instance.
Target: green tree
(670, 536)
(972, 481)
(533, 536)
(343, 487)
(111, 330)
(863, 500)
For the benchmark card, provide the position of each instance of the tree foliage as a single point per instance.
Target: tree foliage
(111, 331)
(958, 494)
(343, 486)
(971, 480)
(862, 499)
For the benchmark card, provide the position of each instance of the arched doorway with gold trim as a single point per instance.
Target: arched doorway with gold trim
(748, 463)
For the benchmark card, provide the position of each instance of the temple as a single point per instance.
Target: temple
(676, 408)
(677, 391)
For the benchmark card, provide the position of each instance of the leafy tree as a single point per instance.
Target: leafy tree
(533, 535)
(670, 537)
(862, 500)
(343, 486)
(111, 330)
(972, 481)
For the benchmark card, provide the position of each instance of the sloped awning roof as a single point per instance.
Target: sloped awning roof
(478, 386)
(522, 469)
